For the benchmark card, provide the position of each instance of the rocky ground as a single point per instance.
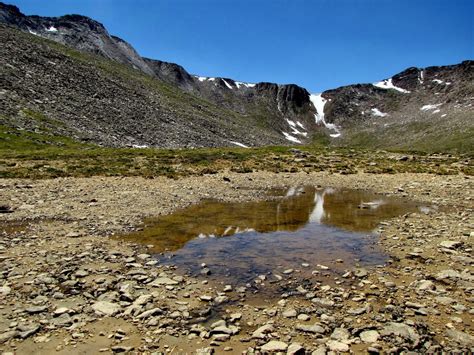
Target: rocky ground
(68, 287)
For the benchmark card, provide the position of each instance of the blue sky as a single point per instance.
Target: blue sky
(318, 44)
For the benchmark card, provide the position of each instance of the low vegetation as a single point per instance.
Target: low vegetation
(39, 155)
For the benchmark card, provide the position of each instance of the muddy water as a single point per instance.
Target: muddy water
(241, 241)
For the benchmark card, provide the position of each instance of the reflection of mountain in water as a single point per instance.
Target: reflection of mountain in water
(347, 209)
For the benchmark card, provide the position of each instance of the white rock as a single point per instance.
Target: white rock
(274, 345)
(340, 334)
(106, 308)
(5, 290)
(450, 244)
(295, 348)
(289, 313)
(264, 329)
(369, 336)
(315, 328)
(61, 310)
(335, 345)
(163, 281)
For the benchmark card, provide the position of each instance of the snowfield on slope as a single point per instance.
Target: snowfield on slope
(319, 102)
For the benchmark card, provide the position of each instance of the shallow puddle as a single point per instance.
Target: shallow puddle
(240, 241)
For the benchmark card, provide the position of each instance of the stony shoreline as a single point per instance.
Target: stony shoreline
(68, 288)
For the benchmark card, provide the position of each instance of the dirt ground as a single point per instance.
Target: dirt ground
(67, 287)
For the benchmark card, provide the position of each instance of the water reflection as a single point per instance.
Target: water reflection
(351, 210)
(303, 225)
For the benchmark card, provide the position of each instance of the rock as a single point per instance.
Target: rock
(425, 285)
(357, 311)
(402, 330)
(325, 302)
(220, 299)
(295, 349)
(81, 273)
(274, 346)
(106, 308)
(235, 317)
(219, 323)
(60, 310)
(231, 330)
(340, 334)
(143, 256)
(303, 317)
(337, 346)
(450, 244)
(160, 281)
(462, 338)
(62, 320)
(360, 272)
(220, 337)
(369, 336)
(5, 290)
(315, 328)
(447, 274)
(121, 349)
(290, 313)
(142, 300)
(4, 337)
(414, 305)
(149, 313)
(320, 351)
(73, 235)
(444, 300)
(205, 298)
(262, 331)
(36, 309)
(288, 271)
(205, 351)
(28, 331)
(205, 271)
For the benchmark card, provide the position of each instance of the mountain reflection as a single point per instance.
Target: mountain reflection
(296, 207)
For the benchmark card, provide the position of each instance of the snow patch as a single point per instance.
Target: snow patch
(137, 146)
(52, 29)
(247, 85)
(294, 130)
(436, 111)
(227, 84)
(437, 81)
(239, 144)
(387, 84)
(33, 33)
(421, 77)
(319, 102)
(429, 107)
(291, 138)
(378, 113)
(300, 124)
(204, 78)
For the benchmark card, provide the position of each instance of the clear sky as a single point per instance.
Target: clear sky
(318, 44)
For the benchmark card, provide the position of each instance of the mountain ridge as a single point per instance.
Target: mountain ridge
(283, 112)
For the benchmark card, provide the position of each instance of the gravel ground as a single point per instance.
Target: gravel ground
(66, 287)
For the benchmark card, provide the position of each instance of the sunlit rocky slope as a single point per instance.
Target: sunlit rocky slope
(69, 76)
